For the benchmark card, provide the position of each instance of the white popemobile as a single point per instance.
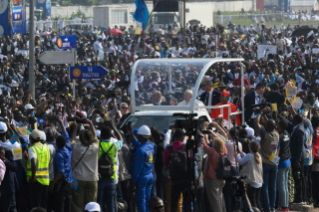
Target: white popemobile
(160, 115)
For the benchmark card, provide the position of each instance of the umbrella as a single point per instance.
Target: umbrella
(45, 33)
(135, 31)
(304, 30)
(194, 22)
(115, 31)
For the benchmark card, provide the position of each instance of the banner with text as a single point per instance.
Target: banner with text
(18, 17)
(45, 6)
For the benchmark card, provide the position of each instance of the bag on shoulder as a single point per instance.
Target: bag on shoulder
(106, 164)
(224, 168)
(178, 165)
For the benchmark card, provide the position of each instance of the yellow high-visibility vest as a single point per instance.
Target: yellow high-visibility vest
(42, 164)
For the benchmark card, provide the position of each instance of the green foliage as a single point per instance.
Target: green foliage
(84, 2)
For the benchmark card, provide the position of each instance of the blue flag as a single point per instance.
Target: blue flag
(141, 13)
(299, 79)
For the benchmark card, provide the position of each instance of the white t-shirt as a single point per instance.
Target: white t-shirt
(52, 155)
(32, 154)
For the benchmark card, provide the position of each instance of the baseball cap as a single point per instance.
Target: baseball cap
(3, 127)
(144, 130)
(250, 132)
(36, 135)
(29, 107)
(92, 206)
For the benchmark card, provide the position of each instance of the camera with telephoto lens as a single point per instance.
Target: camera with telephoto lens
(260, 107)
(238, 185)
(185, 124)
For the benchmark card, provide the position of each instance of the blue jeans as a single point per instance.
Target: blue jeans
(268, 190)
(106, 191)
(143, 192)
(282, 184)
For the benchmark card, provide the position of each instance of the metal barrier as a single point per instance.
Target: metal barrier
(58, 24)
(221, 107)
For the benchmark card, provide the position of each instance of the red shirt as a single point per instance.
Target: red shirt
(237, 82)
(212, 161)
(216, 112)
(315, 143)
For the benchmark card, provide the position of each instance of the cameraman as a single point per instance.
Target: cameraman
(253, 98)
(231, 147)
(268, 148)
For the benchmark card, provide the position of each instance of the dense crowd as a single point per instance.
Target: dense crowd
(65, 153)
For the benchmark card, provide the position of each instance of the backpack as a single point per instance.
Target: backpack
(224, 168)
(106, 164)
(178, 165)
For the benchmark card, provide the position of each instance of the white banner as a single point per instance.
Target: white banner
(264, 50)
(315, 50)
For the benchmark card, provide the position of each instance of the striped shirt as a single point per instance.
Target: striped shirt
(2, 170)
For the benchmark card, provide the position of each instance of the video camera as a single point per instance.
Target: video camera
(260, 107)
(237, 185)
(188, 123)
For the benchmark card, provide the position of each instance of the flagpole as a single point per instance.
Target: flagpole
(150, 14)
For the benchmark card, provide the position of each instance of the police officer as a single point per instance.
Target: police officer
(38, 170)
(143, 158)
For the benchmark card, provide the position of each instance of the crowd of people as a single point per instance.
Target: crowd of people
(72, 153)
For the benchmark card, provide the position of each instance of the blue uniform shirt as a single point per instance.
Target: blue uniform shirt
(62, 159)
(143, 159)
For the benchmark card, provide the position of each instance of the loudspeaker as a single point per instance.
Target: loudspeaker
(166, 6)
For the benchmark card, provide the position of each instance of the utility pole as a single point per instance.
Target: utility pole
(73, 64)
(184, 22)
(31, 50)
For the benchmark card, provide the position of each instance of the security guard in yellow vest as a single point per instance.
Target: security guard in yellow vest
(38, 170)
(107, 186)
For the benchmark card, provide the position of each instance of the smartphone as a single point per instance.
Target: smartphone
(70, 119)
(80, 121)
(206, 132)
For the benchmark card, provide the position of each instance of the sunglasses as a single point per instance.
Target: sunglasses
(124, 108)
(159, 207)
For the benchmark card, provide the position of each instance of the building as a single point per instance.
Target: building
(303, 5)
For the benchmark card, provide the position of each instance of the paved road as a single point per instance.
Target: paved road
(314, 210)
